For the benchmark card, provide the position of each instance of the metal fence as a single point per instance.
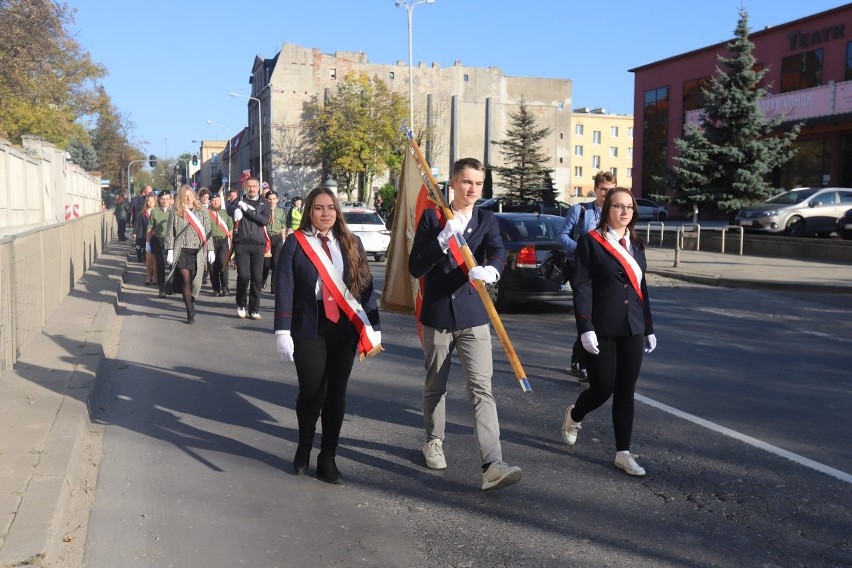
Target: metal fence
(38, 269)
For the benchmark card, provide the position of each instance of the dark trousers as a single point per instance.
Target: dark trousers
(323, 365)
(219, 267)
(249, 274)
(271, 262)
(613, 372)
(160, 258)
(577, 353)
(122, 229)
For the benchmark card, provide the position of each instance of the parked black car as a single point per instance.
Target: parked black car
(844, 225)
(509, 205)
(528, 237)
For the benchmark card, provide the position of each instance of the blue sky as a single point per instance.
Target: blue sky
(172, 64)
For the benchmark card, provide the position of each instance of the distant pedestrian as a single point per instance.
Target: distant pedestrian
(221, 225)
(122, 215)
(582, 218)
(613, 314)
(137, 204)
(188, 246)
(325, 313)
(453, 317)
(379, 206)
(275, 229)
(294, 216)
(251, 216)
(157, 226)
(141, 231)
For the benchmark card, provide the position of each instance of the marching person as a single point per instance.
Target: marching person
(453, 317)
(222, 226)
(140, 232)
(613, 314)
(156, 237)
(137, 204)
(275, 229)
(582, 218)
(188, 233)
(325, 312)
(122, 213)
(251, 215)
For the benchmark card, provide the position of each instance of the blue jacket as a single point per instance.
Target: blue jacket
(295, 293)
(604, 300)
(449, 300)
(571, 219)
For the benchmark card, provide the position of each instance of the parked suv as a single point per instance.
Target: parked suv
(367, 225)
(798, 212)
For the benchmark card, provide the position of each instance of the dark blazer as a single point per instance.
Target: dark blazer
(253, 223)
(295, 293)
(604, 300)
(449, 300)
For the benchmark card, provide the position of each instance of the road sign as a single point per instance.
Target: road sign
(104, 183)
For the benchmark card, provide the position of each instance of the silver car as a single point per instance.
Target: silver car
(798, 212)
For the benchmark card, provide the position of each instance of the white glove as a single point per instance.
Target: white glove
(242, 205)
(170, 257)
(589, 339)
(211, 257)
(650, 343)
(238, 215)
(453, 226)
(285, 344)
(487, 274)
(148, 248)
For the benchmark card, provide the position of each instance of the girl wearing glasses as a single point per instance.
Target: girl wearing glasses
(614, 321)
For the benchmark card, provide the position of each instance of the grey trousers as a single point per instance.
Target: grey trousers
(473, 346)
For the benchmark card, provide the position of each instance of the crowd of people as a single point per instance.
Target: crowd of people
(325, 309)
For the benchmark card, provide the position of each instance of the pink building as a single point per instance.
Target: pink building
(809, 79)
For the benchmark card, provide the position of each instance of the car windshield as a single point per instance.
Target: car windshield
(542, 228)
(792, 197)
(362, 218)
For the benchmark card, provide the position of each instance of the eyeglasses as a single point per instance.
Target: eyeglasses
(619, 207)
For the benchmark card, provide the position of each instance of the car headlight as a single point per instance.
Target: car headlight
(770, 213)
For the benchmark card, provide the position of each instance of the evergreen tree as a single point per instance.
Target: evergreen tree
(725, 164)
(83, 154)
(524, 175)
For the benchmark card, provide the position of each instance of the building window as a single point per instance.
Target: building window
(613, 131)
(333, 73)
(655, 131)
(466, 77)
(692, 97)
(578, 150)
(801, 71)
(596, 162)
(578, 191)
(560, 136)
(849, 61)
(578, 129)
(596, 137)
(560, 160)
(614, 171)
(630, 132)
(630, 173)
(390, 74)
(613, 152)
(578, 171)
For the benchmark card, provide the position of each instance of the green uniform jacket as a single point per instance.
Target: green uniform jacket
(217, 231)
(159, 222)
(276, 221)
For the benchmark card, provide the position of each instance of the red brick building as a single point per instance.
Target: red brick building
(809, 79)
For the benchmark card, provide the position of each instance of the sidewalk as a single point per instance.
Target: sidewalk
(735, 271)
(44, 399)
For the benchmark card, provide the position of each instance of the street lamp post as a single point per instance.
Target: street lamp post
(409, 7)
(259, 134)
(230, 149)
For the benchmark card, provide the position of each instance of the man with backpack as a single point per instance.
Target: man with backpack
(582, 218)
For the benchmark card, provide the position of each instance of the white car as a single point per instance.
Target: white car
(650, 211)
(367, 225)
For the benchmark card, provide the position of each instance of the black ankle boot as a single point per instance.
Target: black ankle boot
(302, 457)
(326, 468)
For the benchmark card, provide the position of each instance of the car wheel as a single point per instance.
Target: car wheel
(662, 216)
(795, 227)
(824, 234)
(845, 235)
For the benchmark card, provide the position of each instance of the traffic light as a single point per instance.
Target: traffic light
(195, 159)
(152, 160)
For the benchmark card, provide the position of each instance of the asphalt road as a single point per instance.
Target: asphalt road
(200, 431)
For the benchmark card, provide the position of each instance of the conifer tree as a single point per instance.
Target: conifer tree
(725, 164)
(524, 175)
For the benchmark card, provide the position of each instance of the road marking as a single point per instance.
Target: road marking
(827, 336)
(801, 460)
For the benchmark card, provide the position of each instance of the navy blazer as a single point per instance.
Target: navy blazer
(295, 292)
(449, 300)
(604, 300)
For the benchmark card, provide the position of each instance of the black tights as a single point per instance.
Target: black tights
(613, 372)
(187, 276)
(323, 365)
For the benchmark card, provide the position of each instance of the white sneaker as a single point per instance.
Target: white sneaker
(255, 316)
(499, 475)
(433, 451)
(627, 461)
(570, 429)
(241, 312)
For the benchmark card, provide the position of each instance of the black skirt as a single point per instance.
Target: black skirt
(188, 259)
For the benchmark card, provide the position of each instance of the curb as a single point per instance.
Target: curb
(48, 392)
(720, 281)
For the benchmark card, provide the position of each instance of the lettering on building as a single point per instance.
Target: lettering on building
(801, 40)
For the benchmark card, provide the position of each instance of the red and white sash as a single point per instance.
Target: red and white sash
(195, 224)
(368, 342)
(619, 253)
(221, 224)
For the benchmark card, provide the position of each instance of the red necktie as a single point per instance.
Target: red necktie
(332, 311)
(623, 242)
